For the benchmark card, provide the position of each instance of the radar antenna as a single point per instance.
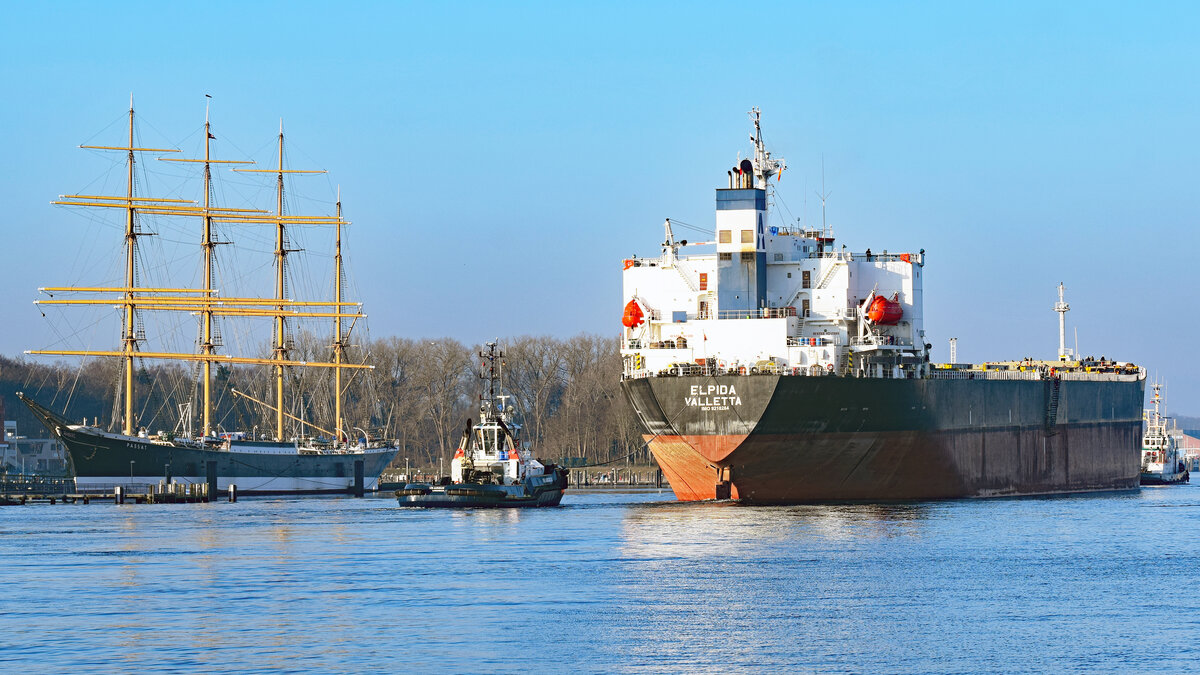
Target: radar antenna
(764, 165)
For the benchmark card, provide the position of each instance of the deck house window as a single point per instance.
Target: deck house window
(725, 237)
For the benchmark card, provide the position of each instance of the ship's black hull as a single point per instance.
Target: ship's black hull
(794, 439)
(101, 460)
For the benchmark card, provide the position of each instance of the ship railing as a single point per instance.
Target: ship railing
(1128, 376)
(1034, 374)
(697, 370)
(816, 341)
(846, 256)
(760, 313)
(1013, 375)
(129, 487)
(676, 343)
(881, 341)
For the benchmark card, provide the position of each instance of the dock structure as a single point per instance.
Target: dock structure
(26, 489)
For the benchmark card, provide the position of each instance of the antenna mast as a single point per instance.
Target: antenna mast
(1062, 308)
(823, 195)
(764, 165)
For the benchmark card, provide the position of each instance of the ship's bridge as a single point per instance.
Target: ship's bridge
(773, 296)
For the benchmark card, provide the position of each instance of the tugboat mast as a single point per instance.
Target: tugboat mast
(490, 375)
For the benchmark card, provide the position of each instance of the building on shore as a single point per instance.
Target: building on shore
(26, 456)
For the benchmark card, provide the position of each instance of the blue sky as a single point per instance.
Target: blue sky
(499, 160)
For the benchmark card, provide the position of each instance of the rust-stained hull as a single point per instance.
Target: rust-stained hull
(788, 439)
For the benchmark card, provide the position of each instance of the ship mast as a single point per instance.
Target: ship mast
(281, 352)
(205, 301)
(1062, 308)
(129, 342)
(339, 348)
(206, 340)
(208, 244)
(280, 349)
(764, 165)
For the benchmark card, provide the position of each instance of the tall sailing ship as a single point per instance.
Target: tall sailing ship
(339, 458)
(785, 369)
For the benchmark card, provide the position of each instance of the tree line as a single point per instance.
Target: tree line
(421, 392)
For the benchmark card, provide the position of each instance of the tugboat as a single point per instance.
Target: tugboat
(1162, 459)
(490, 468)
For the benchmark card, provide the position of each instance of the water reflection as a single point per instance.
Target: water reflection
(697, 527)
(618, 580)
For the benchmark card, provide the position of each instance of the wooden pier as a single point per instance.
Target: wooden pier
(21, 489)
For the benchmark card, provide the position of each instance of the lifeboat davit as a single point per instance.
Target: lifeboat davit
(885, 312)
(633, 315)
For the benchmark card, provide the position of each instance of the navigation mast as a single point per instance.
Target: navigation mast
(1062, 308)
(764, 165)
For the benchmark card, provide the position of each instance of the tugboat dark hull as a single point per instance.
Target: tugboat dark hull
(544, 490)
(1160, 479)
(796, 439)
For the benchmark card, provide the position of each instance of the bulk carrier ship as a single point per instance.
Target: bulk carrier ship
(785, 369)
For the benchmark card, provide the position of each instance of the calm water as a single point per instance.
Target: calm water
(611, 581)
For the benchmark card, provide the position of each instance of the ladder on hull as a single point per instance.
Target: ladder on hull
(1052, 392)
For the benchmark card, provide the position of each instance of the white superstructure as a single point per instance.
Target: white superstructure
(773, 297)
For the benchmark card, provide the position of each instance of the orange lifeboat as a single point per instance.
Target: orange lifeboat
(633, 315)
(884, 312)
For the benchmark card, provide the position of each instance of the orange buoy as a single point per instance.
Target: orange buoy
(458, 454)
(633, 315)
